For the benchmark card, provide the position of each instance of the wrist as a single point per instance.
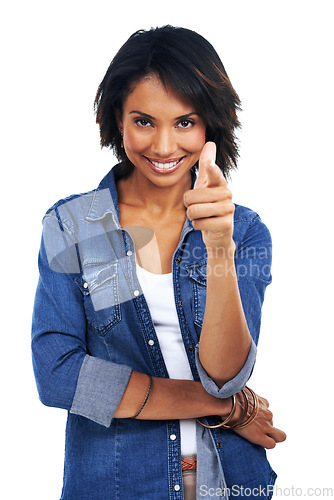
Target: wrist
(225, 252)
(220, 262)
(216, 406)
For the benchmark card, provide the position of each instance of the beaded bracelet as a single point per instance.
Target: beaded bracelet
(146, 398)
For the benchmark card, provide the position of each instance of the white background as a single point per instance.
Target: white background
(279, 56)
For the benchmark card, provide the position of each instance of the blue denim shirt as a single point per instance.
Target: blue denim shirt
(92, 327)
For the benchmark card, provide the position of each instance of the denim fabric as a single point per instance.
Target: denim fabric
(233, 385)
(92, 327)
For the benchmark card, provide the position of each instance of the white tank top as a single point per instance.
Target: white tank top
(159, 295)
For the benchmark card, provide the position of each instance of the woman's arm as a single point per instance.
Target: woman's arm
(169, 399)
(225, 339)
(182, 399)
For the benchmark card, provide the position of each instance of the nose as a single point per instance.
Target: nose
(164, 142)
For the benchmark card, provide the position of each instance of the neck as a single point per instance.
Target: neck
(139, 191)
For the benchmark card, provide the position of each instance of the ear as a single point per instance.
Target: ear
(119, 121)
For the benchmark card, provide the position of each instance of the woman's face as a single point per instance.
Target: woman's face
(163, 134)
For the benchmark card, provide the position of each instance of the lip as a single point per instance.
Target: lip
(165, 170)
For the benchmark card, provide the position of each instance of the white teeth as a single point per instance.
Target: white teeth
(164, 165)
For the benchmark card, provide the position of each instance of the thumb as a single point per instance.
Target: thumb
(207, 157)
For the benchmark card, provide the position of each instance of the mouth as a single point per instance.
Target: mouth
(165, 166)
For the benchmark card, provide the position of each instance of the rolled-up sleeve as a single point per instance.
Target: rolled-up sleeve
(66, 375)
(235, 384)
(99, 390)
(253, 259)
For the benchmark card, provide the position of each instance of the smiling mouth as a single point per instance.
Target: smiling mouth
(165, 165)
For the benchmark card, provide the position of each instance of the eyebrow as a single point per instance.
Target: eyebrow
(182, 117)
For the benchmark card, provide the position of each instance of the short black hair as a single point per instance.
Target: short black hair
(187, 62)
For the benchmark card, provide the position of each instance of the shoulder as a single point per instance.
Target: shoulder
(68, 199)
(249, 227)
(60, 232)
(64, 200)
(70, 209)
(75, 207)
(244, 214)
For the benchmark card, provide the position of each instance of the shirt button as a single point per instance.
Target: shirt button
(85, 285)
(190, 349)
(172, 437)
(178, 260)
(177, 487)
(136, 293)
(129, 253)
(151, 342)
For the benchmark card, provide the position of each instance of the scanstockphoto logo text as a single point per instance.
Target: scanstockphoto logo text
(266, 492)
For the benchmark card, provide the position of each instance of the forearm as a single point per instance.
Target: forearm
(169, 399)
(225, 339)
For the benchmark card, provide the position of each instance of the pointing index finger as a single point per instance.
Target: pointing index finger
(208, 154)
(207, 157)
(209, 174)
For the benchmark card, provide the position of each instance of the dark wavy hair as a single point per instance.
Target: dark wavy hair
(184, 60)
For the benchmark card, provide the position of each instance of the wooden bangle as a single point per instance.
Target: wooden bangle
(146, 398)
(227, 419)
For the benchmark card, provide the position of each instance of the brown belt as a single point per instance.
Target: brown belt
(188, 463)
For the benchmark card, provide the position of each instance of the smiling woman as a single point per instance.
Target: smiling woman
(162, 135)
(148, 307)
(189, 65)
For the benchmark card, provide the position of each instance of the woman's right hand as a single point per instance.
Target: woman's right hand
(261, 431)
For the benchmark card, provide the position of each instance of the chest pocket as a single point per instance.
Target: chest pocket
(197, 275)
(100, 287)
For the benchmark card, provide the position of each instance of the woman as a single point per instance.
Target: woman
(148, 307)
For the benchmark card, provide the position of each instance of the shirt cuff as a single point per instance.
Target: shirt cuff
(235, 384)
(101, 385)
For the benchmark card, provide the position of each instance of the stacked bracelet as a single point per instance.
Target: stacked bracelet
(241, 422)
(254, 413)
(244, 412)
(146, 398)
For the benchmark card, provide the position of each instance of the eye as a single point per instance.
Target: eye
(142, 122)
(186, 123)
